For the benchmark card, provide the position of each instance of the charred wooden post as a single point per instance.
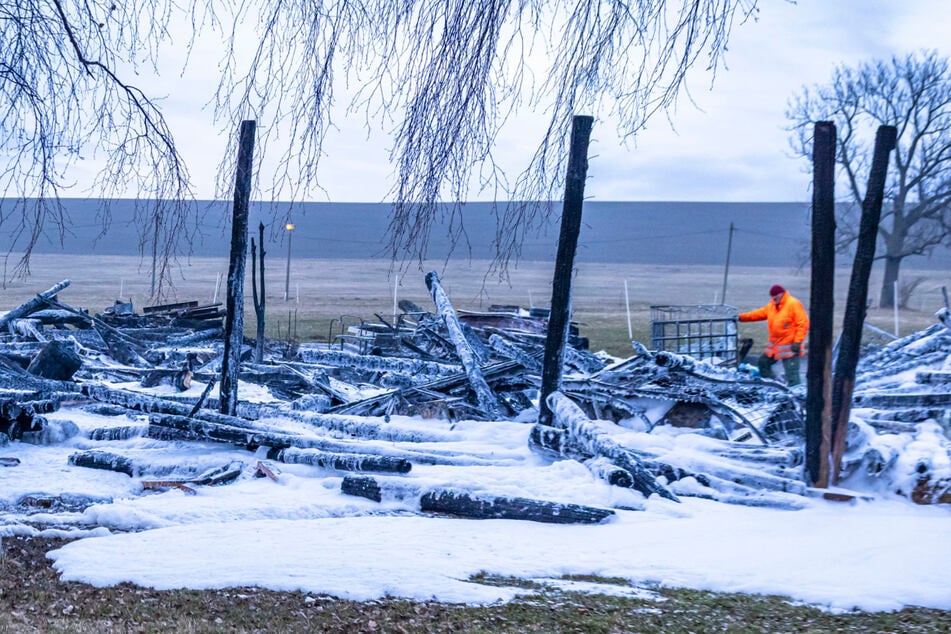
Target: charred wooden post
(362, 486)
(341, 462)
(821, 303)
(467, 356)
(171, 427)
(461, 504)
(242, 436)
(108, 461)
(259, 300)
(560, 316)
(104, 460)
(118, 433)
(843, 383)
(234, 319)
(58, 360)
(32, 305)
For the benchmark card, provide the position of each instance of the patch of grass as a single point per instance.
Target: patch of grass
(326, 290)
(33, 599)
(611, 581)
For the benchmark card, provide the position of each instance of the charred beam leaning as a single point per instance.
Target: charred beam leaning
(843, 383)
(560, 315)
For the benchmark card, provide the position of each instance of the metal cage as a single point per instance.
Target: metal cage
(702, 331)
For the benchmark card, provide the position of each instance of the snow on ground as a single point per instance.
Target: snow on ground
(302, 533)
(879, 556)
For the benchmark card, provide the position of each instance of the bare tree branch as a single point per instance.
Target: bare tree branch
(912, 93)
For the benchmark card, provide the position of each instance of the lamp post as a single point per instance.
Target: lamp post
(287, 277)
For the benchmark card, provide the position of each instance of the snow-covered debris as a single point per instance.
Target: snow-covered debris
(325, 432)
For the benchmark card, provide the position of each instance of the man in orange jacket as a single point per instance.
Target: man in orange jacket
(788, 324)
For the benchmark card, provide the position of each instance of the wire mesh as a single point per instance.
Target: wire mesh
(702, 331)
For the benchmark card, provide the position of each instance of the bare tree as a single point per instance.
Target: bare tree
(912, 93)
(442, 76)
(64, 105)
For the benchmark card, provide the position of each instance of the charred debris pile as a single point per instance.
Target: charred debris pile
(659, 423)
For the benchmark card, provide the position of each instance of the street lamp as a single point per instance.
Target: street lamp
(287, 277)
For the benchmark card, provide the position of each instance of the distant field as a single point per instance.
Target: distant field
(326, 290)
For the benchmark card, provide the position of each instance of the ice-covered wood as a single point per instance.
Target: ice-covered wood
(362, 486)
(373, 363)
(904, 400)
(472, 364)
(29, 306)
(124, 432)
(369, 428)
(508, 349)
(549, 441)
(610, 473)
(937, 377)
(596, 442)
(468, 505)
(435, 388)
(108, 461)
(341, 461)
(382, 487)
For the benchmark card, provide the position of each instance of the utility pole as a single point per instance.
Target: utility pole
(287, 276)
(726, 269)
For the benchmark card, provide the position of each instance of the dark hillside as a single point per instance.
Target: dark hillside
(767, 234)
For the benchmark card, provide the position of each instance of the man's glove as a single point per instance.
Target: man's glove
(796, 347)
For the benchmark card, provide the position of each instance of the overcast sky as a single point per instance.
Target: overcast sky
(733, 148)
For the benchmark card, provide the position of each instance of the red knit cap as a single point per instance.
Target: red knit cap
(776, 289)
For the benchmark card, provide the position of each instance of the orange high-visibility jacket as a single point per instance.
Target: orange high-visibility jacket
(787, 324)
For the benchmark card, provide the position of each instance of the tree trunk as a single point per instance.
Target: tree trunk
(887, 298)
(234, 319)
